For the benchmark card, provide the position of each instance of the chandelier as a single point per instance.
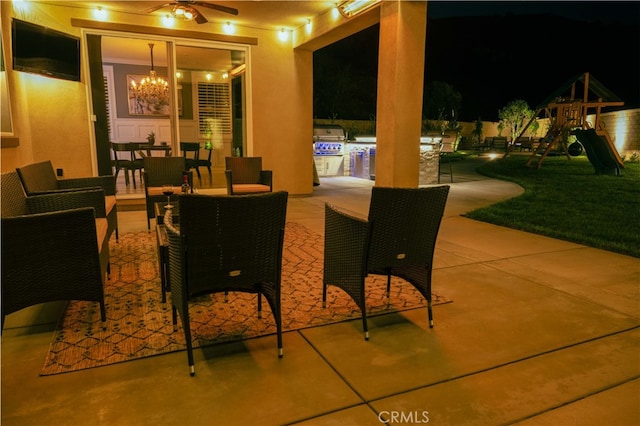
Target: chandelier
(152, 90)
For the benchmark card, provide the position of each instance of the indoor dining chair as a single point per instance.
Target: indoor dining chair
(125, 158)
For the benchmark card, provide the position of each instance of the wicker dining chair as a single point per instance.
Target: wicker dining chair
(226, 244)
(53, 248)
(160, 171)
(398, 239)
(245, 176)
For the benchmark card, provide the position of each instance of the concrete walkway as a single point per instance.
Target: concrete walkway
(540, 332)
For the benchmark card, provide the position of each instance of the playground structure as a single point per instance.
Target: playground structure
(568, 116)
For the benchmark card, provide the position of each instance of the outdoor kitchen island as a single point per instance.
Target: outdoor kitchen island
(328, 150)
(361, 155)
(335, 155)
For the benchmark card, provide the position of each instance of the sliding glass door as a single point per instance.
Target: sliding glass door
(205, 101)
(210, 106)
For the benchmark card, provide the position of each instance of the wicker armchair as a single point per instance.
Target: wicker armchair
(52, 248)
(160, 171)
(40, 178)
(245, 176)
(226, 244)
(397, 239)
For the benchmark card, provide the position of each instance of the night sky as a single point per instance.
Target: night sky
(494, 53)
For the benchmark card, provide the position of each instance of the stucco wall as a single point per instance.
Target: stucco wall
(50, 115)
(624, 129)
(282, 120)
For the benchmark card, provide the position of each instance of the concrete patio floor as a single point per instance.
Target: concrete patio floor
(540, 332)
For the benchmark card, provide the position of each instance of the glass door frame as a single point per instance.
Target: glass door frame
(171, 43)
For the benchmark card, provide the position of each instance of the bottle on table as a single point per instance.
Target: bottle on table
(185, 183)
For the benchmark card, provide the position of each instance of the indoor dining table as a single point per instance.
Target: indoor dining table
(145, 150)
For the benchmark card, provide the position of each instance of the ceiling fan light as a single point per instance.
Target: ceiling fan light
(183, 12)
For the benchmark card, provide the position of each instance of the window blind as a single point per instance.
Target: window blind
(214, 103)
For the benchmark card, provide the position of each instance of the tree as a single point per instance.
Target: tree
(441, 102)
(477, 131)
(515, 116)
(345, 78)
(533, 128)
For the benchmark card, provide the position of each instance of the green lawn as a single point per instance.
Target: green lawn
(565, 199)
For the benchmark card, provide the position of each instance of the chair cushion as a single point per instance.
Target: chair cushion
(249, 188)
(109, 203)
(102, 226)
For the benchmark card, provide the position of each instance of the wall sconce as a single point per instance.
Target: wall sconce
(283, 35)
(100, 13)
(351, 8)
(168, 21)
(228, 28)
(20, 6)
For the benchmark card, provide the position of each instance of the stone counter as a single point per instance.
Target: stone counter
(361, 158)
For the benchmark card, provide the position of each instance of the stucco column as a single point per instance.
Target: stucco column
(403, 26)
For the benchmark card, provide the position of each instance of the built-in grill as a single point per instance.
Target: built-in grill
(328, 149)
(328, 139)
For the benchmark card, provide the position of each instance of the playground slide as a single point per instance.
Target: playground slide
(601, 154)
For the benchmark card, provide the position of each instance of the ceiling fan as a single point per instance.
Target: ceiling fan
(185, 9)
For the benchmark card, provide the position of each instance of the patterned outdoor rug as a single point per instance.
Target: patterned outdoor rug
(139, 324)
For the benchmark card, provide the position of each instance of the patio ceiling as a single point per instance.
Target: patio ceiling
(269, 15)
(264, 15)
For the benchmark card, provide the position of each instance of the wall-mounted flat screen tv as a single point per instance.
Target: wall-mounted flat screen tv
(41, 50)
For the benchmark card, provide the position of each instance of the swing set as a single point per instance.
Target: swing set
(568, 116)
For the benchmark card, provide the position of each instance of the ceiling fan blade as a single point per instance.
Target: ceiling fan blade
(218, 7)
(200, 19)
(154, 8)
